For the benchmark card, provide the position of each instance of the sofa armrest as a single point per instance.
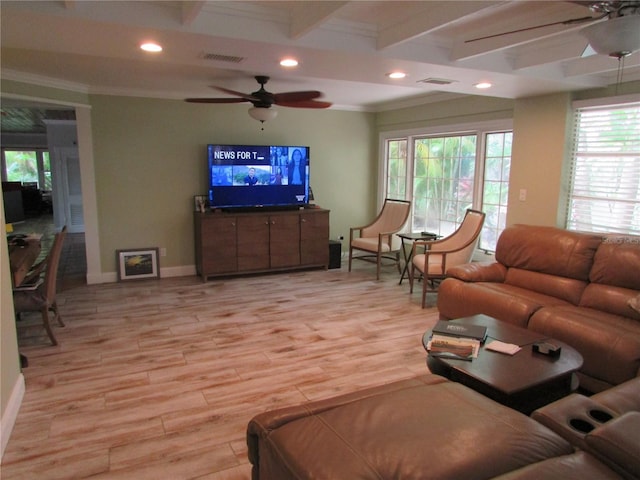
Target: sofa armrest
(617, 444)
(479, 272)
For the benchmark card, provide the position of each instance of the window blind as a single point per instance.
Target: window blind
(604, 195)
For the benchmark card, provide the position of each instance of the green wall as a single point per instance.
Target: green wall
(457, 110)
(11, 383)
(150, 159)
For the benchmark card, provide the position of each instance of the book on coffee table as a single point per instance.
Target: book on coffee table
(453, 329)
(461, 347)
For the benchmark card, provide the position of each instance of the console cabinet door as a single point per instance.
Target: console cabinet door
(285, 240)
(253, 243)
(314, 238)
(259, 242)
(218, 245)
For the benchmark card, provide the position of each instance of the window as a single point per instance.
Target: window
(604, 195)
(27, 166)
(397, 171)
(495, 194)
(445, 173)
(46, 171)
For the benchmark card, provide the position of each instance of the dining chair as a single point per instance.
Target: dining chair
(378, 239)
(439, 255)
(39, 294)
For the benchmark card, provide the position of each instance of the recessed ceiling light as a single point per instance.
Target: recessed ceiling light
(289, 62)
(151, 47)
(483, 85)
(396, 75)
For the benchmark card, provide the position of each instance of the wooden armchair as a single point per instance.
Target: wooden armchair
(439, 255)
(377, 238)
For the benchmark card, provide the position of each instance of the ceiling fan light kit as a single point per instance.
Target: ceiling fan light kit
(616, 37)
(263, 114)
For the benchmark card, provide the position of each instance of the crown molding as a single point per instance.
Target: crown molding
(43, 81)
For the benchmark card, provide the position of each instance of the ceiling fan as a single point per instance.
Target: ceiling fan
(616, 37)
(262, 100)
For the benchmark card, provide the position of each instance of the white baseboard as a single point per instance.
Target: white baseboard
(181, 271)
(112, 277)
(10, 414)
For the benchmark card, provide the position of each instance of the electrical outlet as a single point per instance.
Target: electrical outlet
(523, 194)
(341, 238)
(163, 252)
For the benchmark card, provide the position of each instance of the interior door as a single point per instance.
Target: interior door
(71, 189)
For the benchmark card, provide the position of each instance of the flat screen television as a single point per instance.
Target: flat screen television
(258, 176)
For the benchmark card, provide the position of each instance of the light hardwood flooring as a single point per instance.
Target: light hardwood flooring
(157, 379)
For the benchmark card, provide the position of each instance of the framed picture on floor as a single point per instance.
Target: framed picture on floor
(200, 203)
(137, 264)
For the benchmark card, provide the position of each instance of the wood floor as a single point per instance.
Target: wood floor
(157, 379)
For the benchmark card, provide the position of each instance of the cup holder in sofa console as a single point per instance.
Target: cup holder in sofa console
(600, 415)
(581, 425)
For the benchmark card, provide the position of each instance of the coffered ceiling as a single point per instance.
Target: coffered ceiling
(345, 48)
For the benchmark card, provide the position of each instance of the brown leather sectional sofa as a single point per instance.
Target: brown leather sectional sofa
(582, 289)
(431, 428)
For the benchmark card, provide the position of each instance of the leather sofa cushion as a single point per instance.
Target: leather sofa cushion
(565, 288)
(609, 344)
(617, 263)
(622, 398)
(410, 430)
(509, 303)
(610, 299)
(578, 465)
(548, 250)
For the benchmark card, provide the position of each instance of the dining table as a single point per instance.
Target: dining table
(24, 250)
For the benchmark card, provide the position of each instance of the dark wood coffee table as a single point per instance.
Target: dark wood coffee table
(524, 381)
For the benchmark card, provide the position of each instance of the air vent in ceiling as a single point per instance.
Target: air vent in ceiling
(436, 81)
(218, 57)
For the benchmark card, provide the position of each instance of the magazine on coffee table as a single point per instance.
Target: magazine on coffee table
(465, 348)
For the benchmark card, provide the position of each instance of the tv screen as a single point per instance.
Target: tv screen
(244, 176)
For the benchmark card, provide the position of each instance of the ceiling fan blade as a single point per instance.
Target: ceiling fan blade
(296, 96)
(246, 96)
(216, 100)
(305, 104)
(571, 21)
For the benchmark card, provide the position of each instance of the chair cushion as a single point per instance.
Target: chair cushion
(370, 244)
(435, 263)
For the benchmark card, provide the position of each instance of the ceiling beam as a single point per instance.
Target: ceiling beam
(464, 49)
(435, 16)
(190, 10)
(305, 16)
(561, 49)
(600, 64)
